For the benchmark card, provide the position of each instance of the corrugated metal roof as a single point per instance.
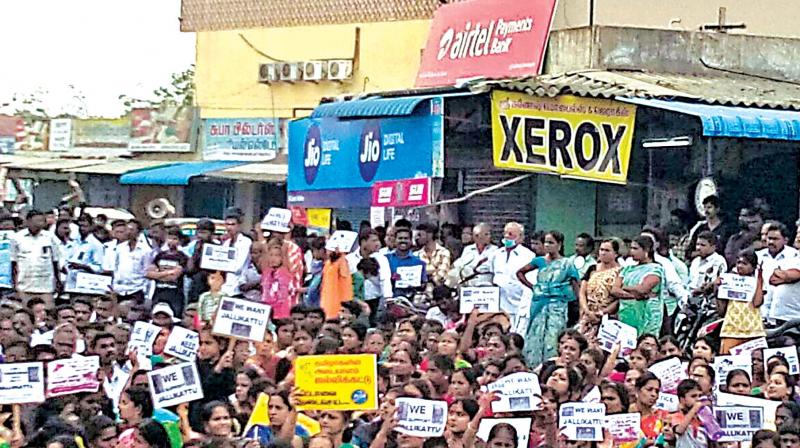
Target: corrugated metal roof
(256, 172)
(118, 167)
(52, 164)
(214, 15)
(724, 89)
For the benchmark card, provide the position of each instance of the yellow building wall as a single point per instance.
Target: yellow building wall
(227, 67)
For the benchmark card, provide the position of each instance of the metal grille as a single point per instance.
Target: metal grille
(511, 203)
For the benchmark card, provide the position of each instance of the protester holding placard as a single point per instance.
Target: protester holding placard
(595, 293)
(743, 320)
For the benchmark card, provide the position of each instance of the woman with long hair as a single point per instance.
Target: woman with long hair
(595, 294)
(640, 289)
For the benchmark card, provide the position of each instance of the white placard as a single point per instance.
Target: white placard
(277, 220)
(768, 406)
(341, 241)
(219, 258)
(522, 426)
(737, 287)
(670, 372)
(667, 402)
(377, 216)
(582, 421)
(22, 383)
(593, 396)
(750, 346)
(485, 298)
(739, 423)
(421, 418)
(142, 337)
(624, 427)
(175, 385)
(73, 375)
(724, 364)
(88, 283)
(182, 343)
(410, 277)
(60, 135)
(612, 332)
(518, 392)
(790, 353)
(241, 319)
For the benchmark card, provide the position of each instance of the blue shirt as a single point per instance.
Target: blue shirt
(88, 251)
(410, 260)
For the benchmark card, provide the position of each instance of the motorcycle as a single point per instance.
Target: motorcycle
(697, 319)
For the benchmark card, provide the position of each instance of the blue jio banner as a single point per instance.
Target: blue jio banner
(333, 154)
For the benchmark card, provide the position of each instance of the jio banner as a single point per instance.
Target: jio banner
(572, 137)
(485, 39)
(330, 157)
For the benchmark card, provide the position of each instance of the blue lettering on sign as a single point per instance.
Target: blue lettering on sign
(312, 153)
(369, 150)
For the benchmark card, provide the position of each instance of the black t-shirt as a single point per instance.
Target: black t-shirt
(169, 260)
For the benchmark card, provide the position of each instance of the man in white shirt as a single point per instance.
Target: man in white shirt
(506, 261)
(781, 270)
(34, 261)
(707, 266)
(234, 238)
(130, 265)
(368, 245)
(474, 266)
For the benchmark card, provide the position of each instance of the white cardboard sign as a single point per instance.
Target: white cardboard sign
(739, 423)
(219, 258)
(72, 375)
(522, 426)
(750, 346)
(624, 427)
(667, 402)
(421, 418)
(737, 287)
(790, 353)
(175, 385)
(485, 298)
(377, 216)
(726, 363)
(22, 383)
(670, 372)
(341, 241)
(582, 421)
(183, 344)
(612, 332)
(768, 406)
(142, 337)
(241, 319)
(410, 277)
(518, 392)
(88, 283)
(277, 219)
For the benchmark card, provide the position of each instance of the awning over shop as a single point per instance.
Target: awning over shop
(177, 174)
(119, 167)
(256, 172)
(727, 121)
(52, 164)
(376, 106)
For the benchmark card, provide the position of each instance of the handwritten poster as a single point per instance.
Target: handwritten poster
(749, 346)
(667, 402)
(624, 427)
(72, 375)
(341, 241)
(182, 343)
(518, 392)
(421, 418)
(175, 384)
(241, 319)
(22, 383)
(670, 372)
(337, 382)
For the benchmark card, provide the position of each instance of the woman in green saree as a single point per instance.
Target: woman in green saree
(640, 289)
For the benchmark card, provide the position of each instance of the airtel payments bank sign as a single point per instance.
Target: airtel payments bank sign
(486, 39)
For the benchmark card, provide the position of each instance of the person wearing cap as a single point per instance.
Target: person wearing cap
(163, 316)
(294, 255)
(235, 238)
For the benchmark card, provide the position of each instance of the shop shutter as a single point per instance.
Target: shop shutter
(513, 202)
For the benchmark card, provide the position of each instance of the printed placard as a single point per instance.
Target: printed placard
(739, 423)
(421, 418)
(337, 382)
(174, 385)
(485, 298)
(72, 375)
(624, 427)
(670, 372)
(80, 282)
(409, 277)
(377, 216)
(768, 406)
(22, 383)
(582, 421)
(183, 344)
(142, 337)
(790, 353)
(341, 241)
(522, 427)
(518, 392)
(737, 287)
(667, 402)
(219, 258)
(724, 364)
(612, 332)
(750, 346)
(277, 220)
(241, 319)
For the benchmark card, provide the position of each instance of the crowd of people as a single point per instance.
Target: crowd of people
(548, 320)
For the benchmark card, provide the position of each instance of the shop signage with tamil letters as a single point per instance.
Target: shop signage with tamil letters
(245, 139)
(486, 39)
(581, 138)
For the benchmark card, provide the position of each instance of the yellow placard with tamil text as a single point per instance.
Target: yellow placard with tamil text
(569, 136)
(337, 382)
(319, 218)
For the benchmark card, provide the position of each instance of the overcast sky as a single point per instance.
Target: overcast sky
(104, 48)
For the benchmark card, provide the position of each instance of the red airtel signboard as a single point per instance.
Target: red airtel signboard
(486, 39)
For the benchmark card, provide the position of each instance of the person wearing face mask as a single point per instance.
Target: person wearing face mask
(506, 262)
